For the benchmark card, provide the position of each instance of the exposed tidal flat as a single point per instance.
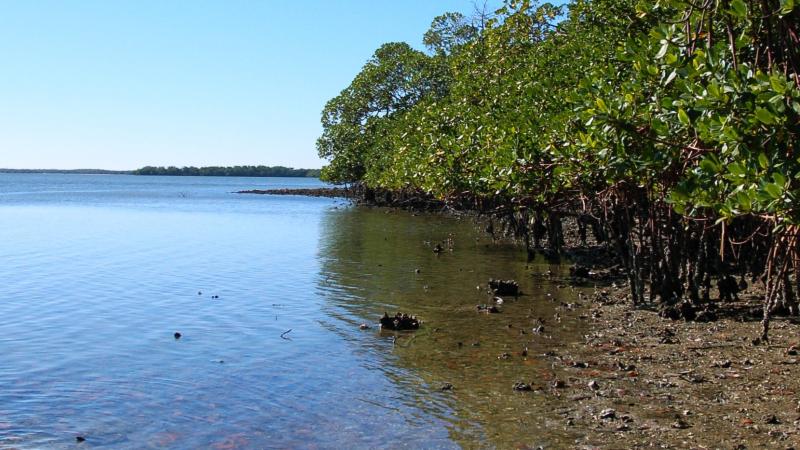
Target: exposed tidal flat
(99, 272)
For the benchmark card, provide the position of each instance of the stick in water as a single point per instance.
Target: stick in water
(283, 335)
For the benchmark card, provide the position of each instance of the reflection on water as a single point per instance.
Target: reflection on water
(92, 288)
(377, 260)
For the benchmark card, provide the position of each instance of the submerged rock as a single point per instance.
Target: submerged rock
(400, 321)
(490, 309)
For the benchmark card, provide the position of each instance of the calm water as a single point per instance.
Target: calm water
(98, 272)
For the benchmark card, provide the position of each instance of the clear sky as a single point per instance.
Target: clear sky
(122, 84)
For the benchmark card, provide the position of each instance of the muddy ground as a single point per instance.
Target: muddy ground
(641, 381)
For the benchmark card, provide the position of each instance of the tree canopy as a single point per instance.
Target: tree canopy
(673, 122)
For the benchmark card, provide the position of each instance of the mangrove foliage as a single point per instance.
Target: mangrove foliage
(671, 126)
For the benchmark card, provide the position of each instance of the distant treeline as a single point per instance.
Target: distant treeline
(76, 171)
(235, 171)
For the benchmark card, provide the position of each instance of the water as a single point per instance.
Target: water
(98, 271)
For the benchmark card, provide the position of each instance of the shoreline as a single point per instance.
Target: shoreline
(307, 192)
(640, 380)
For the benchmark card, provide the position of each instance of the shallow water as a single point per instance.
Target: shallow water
(98, 272)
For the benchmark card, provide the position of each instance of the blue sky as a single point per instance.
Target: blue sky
(122, 84)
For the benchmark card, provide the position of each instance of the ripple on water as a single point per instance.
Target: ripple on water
(93, 288)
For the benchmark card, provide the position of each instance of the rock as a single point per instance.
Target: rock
(683, 310)
(400, 321)
(680, 424)
(364, 326)
(688, 312)
(580, 365)
(504, 287)
(792, 351)
(579, 271)
(706, 315)
(667, 337)
(447, 387)
(539, 329)
(504, 356)
(177, 335)
(490, 309)
(670, 312)
(771, 419)
(625, 367)
(498, 300)
(558, 384)
(519, 386)
(80, 439)
(608, 414)
(728, 289)
(722, 364)
(594, 385)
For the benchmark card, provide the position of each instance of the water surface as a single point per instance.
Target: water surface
(98, 271)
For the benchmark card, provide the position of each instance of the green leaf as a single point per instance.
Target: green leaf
(713, 89)
(601, 105)
(663, 50)
(736, 169)
(778, 84)
(739, 8)
(786, 7)
(671, 77)
(780, 180)
(744, 201)
(763, 161)
(773, 190)
(683, 117)
(709, 166)
(764, 116)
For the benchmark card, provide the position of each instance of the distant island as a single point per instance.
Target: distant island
(235, 171)
(213, 171)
